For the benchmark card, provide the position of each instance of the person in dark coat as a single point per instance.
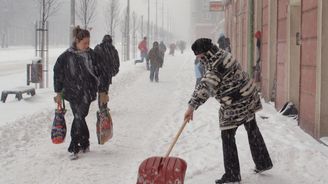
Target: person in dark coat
(239, 99)
(78, 76)
(156, 61)
(109, 54)
(162, 48)
(182, 45)
(107, 51)
(172, 49)
(224, 43)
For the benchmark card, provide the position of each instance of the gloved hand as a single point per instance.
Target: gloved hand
(58, 98)
(103, 98)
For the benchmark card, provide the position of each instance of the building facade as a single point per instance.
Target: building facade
(293, 51)
(205, 23)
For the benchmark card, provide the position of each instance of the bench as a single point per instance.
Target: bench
(19, 91)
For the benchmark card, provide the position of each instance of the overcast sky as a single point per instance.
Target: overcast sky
(24, 14)
(179, 13)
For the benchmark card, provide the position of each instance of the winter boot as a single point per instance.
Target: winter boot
(85, 145)
(260, 170)
(74, 148)
(86, 150)
(74, 156)
(228, 179)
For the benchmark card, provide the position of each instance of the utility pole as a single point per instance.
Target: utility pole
(43, 43)
(128, 33)
(156, 27)
(167, 24)
(148, 23)
(142, 27)
(72, 22)
(163, 36)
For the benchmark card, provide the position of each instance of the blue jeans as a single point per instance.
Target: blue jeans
(154, 70)
(143, 56)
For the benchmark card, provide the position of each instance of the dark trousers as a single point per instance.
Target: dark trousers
(154, 70)
(79, 131)
(259, 151)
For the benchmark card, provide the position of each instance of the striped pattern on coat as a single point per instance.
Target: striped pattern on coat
(230, 85)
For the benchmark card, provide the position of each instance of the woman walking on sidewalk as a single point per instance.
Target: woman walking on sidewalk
(156, 61)
(239, 99)
(79, 75)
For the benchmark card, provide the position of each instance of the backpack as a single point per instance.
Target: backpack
(110, 56)
(115, 61)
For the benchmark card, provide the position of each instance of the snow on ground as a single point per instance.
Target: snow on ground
(146, 117)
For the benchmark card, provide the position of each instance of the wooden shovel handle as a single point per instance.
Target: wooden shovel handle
(176, 138)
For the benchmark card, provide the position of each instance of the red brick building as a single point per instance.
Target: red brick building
(293, 51)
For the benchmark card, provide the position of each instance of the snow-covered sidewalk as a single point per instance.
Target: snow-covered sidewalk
(146, 117)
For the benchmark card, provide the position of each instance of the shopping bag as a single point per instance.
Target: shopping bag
(58, 130)
(104, 125)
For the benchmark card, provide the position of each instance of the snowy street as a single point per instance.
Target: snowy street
(146, 117)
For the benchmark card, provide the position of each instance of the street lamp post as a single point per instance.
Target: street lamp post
(162, 32)
(148, 23)
(156, 27)
(72, 21)
(128, 32)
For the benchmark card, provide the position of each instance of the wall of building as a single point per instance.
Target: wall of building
(264, 50)
(309, 14)
(290, 70)
(204, 22)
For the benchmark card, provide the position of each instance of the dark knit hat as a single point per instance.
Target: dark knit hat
(155, 44)
(107, 38)
(202, 45)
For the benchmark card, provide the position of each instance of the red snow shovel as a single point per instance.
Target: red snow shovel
(163, 170)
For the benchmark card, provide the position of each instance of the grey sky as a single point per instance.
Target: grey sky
(22, 21)
(179, 14)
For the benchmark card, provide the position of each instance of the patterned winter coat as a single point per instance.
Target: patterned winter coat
(232, 87)
(80, 75)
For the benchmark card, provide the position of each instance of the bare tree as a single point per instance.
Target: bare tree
(135, 27)
(5, 6)
(47, 9)
(143, 27)
(124, 31)
(112, 13)
(86, 12)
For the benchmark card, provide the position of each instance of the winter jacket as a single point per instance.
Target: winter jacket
(143, 47)
(162, 48)
(199, 69)
(232, 87)
(110, 56)
(155, 57)
(79, 75)
(182, 45)
(224, 43)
